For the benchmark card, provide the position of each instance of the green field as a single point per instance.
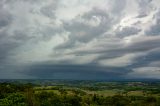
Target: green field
(80, 93)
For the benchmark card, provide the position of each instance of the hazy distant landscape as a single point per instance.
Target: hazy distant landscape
(79, 93)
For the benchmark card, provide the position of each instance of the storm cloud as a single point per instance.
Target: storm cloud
(80, 39)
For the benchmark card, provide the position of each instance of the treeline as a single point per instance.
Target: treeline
(25, 95)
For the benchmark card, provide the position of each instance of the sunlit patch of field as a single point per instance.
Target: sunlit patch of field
(44, 87)
(136, 93)
(103, 92)
(50, 89)
(54, 91)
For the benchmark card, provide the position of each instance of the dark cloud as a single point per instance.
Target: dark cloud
(44, 70)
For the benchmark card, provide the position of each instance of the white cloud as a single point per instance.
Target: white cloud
(146, 72)
(122, 61)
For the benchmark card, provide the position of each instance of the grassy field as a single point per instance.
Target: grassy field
(103, 92)
(70, 91)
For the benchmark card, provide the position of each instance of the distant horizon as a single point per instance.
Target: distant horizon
(105, 80)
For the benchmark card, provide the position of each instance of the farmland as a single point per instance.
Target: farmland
(79, 93)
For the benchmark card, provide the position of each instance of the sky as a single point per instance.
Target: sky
(79, 39)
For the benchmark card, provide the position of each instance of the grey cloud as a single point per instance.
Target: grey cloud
(21, 36)
(127, 31)
(49, 10)
(141, 15)
(154, 55)
(145, 6)
(5, 42)
(82, 32)
(4, 21)
(145, 44)
(5, 17)
(8, 44)
(140, 49)
(154, 29)
(147, 67)
(30, 1)
(141, 44)
(118, 7)
(16, 31)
